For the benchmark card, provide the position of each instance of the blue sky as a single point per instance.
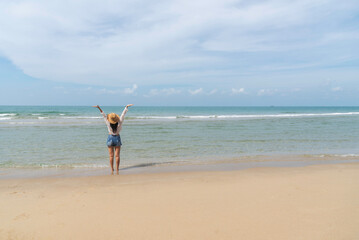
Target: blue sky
(179, 52)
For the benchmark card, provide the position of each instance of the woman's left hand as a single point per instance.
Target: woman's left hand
(129, 105)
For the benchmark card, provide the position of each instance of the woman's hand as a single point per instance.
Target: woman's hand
(97, 106)
(129, 105)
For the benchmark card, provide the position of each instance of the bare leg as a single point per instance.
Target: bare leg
(117, 151)
(110, 151)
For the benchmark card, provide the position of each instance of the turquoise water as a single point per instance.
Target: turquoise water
(72, 137)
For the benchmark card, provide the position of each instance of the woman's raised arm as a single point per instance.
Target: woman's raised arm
(97, 106)
(122, 117)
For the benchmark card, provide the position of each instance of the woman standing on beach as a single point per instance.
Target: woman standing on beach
(114, 126)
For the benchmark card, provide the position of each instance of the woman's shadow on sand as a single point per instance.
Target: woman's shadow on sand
(143, 165)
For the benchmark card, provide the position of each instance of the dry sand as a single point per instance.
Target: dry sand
(313, 202)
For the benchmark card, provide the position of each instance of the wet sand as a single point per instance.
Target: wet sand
(311, 202)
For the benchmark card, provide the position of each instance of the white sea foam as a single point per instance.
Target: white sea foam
(90, 166)
(74, 166)
(174, 117)
(81, 117)
(35, 114)
(244, 116)
(7, 114)
(23, 123)
(296, 115)
(155, 117)
(347, 155)
(201, 117)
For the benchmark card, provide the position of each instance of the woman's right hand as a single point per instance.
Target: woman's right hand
(97, 106)
(129, 105)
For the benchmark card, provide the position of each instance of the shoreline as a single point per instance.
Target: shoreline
(231, 164)
(310, 202)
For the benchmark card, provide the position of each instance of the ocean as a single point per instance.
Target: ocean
(70, 137)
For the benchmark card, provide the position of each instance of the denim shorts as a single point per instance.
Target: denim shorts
(113, 141)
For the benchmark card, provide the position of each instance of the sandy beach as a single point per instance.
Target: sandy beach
(312, 202)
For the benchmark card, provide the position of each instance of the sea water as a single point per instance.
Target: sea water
(75, 136)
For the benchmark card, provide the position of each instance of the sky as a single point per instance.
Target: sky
(179, 52)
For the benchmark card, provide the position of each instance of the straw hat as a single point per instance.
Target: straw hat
(113, 118)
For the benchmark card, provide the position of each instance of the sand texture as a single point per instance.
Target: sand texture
(313, 202)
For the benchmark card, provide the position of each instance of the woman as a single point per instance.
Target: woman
(114, 126)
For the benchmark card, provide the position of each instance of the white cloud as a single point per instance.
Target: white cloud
(195, 92)
(153, 92)
(130, 90)
(201, 91)
(237, 91)
(127, 91)
(337, 89)
(212, 92)
(171, 91)
(107, 91)
(110, 42)
(164, 91)
(296, 90)
(267, 92)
